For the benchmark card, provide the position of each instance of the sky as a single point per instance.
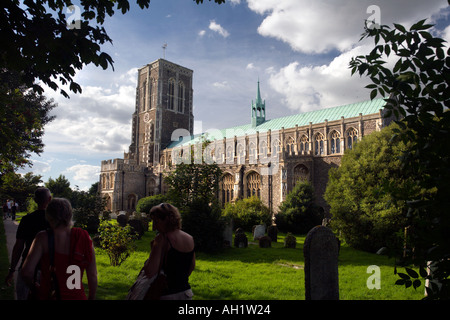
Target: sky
(299, 50)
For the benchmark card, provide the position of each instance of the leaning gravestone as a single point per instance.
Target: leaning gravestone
(321, 264)
(259, 231)
(228, 235)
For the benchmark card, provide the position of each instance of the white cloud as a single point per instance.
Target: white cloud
(307, 88)
(321, 26)
(218, 28)
(83, 172)
(201, 33)
(250, 66)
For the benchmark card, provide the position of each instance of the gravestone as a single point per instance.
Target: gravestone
(265, 242)
(240, 240)
(228, 235)
(259, 231)
(321, 251)
(272, 232)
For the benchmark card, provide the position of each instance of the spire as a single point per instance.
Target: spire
(258, 109)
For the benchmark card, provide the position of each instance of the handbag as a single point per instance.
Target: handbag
(54, 293)
(153, 288)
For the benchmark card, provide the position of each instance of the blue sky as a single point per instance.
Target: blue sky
(298, 49)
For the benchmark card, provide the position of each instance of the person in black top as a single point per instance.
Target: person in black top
(29, 226)
(177, 248)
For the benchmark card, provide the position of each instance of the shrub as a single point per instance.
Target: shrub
(117, 241)
(298, 213)
(205, 224)
(248, 212)
(145, 204)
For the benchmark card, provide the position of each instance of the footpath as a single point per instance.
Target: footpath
(10, 233)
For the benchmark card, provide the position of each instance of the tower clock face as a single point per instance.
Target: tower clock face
(146, 117)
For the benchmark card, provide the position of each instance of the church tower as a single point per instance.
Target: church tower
(164, 97)
(258, 110)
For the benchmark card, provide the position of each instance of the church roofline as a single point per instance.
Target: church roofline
(302, 119)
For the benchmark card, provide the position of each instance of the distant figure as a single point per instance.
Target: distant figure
(178, 249)
(29, 226)
(73, 254)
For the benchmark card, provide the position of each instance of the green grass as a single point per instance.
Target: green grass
(255, 273)
(251, 273)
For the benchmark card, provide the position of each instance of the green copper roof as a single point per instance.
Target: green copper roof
(301, 119)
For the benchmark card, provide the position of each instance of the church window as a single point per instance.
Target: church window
(227, 188)
(301, 173)
(276, 146)
(252, 152)
(290, 145)
(352, 137)
(144, 94)
(150, 93)
(304, 145)
(131, 202)
(171, 95)
(335, 142)
(318, 144)
(180, 97)
(263, 148)
(253, 184)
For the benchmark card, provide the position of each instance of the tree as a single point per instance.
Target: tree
(23, 115)
(59, 187)
(39, 40)
(193, 188)
(18, 187)
(298, 212)
(248, 212)
(364, 211)
(418, 90)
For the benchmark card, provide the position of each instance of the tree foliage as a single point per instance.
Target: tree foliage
(418, 89)
(247, 212)
(37, 39)
(364, 211)
(298, 212)
(59, 187)
(19, 187)
(23, 115)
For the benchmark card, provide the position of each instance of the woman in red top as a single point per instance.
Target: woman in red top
(73, 254)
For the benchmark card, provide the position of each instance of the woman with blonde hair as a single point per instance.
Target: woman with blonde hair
(173, 249)
(64, 253)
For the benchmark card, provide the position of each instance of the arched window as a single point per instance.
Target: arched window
(304, 145)
(252, 152)
(335, 142)
(276, 146)
(240, 153)
(171, 95)
(318, 144)
(253, 184)
(290, 145)
(227, 188)
(131, 201)
(111, 180)
(263, 148)
(352, 137)
(180, 96)
(301, 173)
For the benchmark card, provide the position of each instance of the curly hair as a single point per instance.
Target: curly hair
(167, 211)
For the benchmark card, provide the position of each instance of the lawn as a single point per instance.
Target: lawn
(255, 273)
(251, 273)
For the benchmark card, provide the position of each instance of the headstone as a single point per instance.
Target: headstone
(240, 240)
(290, 241)
(137, 227)
(122, 220)
(321, 251)
(272, 232)
(260, 231)
(265, 242)
(228, 235)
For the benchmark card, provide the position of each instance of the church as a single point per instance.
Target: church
(263, 157)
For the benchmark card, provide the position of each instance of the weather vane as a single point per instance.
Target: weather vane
(164, 50)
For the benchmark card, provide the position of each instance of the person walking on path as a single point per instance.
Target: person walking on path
(64, 253)
(29, 226)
